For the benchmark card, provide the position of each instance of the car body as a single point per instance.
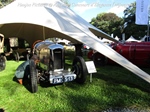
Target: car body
(47, 64)
(136, 52)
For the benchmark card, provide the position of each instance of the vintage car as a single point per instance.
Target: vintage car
(2, 55)
(48, 65)
(16, 49)
(136, 52)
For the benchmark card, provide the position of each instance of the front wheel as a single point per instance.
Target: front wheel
(80, 69)
(33, 76)
(99, 59)
(2, 63)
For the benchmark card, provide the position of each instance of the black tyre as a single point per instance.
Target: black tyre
(2, 63)
(99, 59)
(80, 69)
(33, 77)
(16, 56)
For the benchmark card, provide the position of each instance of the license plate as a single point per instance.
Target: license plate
(69, 78)
(63, 79)
(57, 80)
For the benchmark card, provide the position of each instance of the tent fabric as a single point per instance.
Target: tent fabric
(145, 38)
(41, 19)
(117, 38)
(54, 15)
(106, 40)
(132, 39)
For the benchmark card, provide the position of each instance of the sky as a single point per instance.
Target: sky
(88, 9)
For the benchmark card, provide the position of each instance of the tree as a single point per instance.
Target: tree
(108, 22)
(129, 13)
(5, 2)
(66, 2)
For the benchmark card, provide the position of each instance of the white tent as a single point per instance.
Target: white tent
(145, 38)
(41, 19)
(132, 39)
(104, 40)
(117, 38)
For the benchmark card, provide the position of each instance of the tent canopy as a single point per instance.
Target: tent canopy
(145, 38)
(47, 18)
(132, 39)
(41, 19)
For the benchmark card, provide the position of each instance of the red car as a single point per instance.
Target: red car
(136, 52)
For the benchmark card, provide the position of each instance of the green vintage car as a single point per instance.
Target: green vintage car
(48, 65)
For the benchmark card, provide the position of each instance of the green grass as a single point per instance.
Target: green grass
(111, 87)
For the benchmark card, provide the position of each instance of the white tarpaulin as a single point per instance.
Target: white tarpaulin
(41, 19)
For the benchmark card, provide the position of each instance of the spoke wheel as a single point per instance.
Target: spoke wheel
(33, 77)
(79, 68)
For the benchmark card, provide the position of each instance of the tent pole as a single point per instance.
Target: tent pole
(43, 33)
(148, 25)
(148, 30)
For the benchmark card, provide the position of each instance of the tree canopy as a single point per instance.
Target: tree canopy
(66, 2)
(109, 23)
(5, 2)
(112, 24)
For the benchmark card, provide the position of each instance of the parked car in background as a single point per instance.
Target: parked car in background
(2, 55)
(136, 52)
(16, 49)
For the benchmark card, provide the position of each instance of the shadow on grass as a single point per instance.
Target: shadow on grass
(122, 97)
(110, 95)
(119, 75)
(2, 110)
(84, 103)
(27, 85)
(139, 84)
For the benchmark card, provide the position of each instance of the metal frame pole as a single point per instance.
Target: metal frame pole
(148, 24)
(148, 28)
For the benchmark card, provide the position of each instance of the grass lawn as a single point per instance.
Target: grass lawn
(112, 87)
